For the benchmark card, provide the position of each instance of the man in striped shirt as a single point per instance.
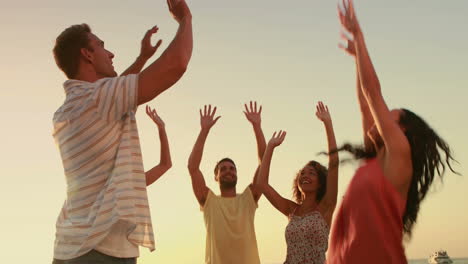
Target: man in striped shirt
(106, 216)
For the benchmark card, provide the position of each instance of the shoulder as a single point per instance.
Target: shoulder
(211, 198)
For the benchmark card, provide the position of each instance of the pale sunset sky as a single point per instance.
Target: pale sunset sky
(285, 55)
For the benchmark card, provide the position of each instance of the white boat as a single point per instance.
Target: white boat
(439, 257)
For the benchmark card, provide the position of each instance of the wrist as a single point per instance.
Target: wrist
(186, 19)
(327, 122)
(358, 34)
(141, 59)
(257, 125)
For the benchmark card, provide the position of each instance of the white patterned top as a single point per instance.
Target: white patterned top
(306, 238)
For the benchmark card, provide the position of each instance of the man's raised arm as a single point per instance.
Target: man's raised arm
(169, 68)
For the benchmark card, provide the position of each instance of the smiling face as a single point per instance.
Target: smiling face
(311, 180)
(308, 180)
(99, 57)
(226, 174)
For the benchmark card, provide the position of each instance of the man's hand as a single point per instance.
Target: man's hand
(148, 50)
(253, 114)
(207, 119)
(179, 10)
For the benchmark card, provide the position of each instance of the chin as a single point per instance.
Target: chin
(228, 185)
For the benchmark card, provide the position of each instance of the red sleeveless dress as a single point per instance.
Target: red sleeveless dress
(368, 227)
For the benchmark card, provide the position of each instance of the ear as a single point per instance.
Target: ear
(87, 55)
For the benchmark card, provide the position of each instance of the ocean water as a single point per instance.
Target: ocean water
(414, 261)
(455, 261)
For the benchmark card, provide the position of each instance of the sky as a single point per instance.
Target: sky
(282, 54)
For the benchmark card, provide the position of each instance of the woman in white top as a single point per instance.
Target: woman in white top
(315, 195)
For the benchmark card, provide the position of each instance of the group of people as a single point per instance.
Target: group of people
(106, 216)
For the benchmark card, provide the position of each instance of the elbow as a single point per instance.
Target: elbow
(192, 168)
(167, 165)
(180, 65)
(180, 69)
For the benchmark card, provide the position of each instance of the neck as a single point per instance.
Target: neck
(309, 200)
(87, 73)
(231, 192)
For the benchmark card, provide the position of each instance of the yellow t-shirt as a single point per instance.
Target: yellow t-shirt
(230, 232)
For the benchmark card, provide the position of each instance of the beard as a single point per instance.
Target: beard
(228, 184)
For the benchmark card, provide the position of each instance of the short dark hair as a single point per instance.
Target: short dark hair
(68, 47)
(219, 162)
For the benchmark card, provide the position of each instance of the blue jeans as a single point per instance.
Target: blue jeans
(95, 257)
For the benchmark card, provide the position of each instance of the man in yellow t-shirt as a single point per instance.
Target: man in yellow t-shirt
(229, 218)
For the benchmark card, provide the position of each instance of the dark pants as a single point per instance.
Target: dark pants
(95, 257)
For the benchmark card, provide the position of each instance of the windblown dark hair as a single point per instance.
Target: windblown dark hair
(430, 154)
(322, 173)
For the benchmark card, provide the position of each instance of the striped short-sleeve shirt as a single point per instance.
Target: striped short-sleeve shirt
(96, 132)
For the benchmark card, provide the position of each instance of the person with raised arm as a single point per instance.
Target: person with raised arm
(165, 162)
(106, 217)
(402, 155)
(315, 194)
(229, 217)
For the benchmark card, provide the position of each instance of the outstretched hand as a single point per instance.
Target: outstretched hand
(277, 138)
(253, 114)
(154, 116)
(179, 9)
(350, 25)
(350, 46)
(322, 112)
(207, 117)
(148, 50)
(348, 17)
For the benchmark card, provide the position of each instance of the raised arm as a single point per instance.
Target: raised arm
(146, 52)
(397, 149)
(171, 65)
(207, 120)
(366, 115)
(283, 205)
(165, 162)
(328, 202)
(253, 115)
